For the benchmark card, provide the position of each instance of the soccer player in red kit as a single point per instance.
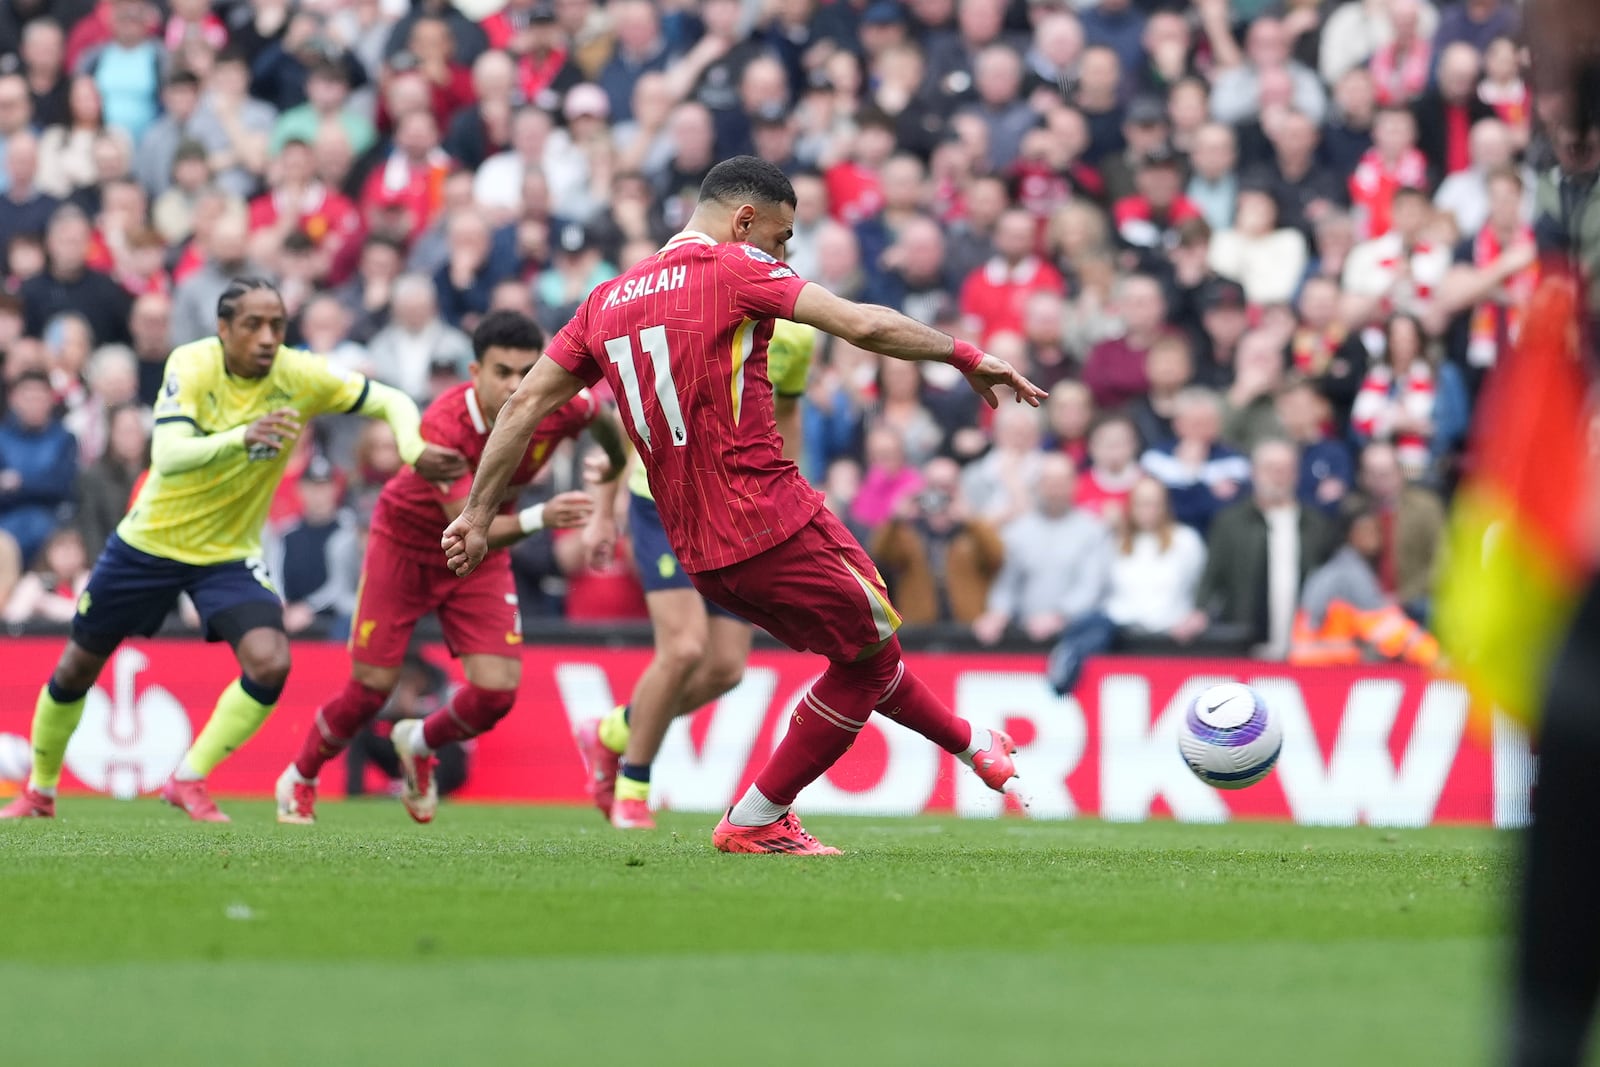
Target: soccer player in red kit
(681, 338)
(403, 579)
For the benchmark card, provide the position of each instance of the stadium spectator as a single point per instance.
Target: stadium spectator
(912, 275)
(194, 301)
(105, 488)
(1145, 129)
(1112, 470)
(995, 294)
(1069, 414)
(315, 560)
(1477, 23)
(938, 560)
(1504, 90)
(1202, 475)
(49, 591)
(111, 377)
(1156, 565)
(1267, 260)
(1356, 29)
(1568, 223)
(1494, 276)
(25, 209)
(405, 353)
(1002, 485)
(1056, 561)
(1465, 194)
(1394, 162)
(889, 482)
(1345, 616)
(1447, 113)
(234, 127)
(327, 92)
(1169, 366)
(1213, 176)
(1251, 400)
(1236, 92)
(1326, 473)
(1398, 272)
(1410, 400)
(38, 465)
(127, 68)
(1258, 553)
(1324, 351)
(68, 284)
(1410, 520)
(1114, 371)
(16, 115)
(66, 148)
(43, 54)
(375, 459)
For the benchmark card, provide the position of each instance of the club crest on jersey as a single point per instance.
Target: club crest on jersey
(756, 254)
(172, 384)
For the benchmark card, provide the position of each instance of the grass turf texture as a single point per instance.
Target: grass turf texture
(539, 936)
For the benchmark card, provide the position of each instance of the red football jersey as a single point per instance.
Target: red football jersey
(682, 340)
(408, 510)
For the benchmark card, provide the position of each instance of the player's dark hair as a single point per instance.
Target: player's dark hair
(747, 180)
(506, 329)
(228, 302)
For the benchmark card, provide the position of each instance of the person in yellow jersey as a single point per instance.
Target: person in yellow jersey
(230, 409)
(700, 649)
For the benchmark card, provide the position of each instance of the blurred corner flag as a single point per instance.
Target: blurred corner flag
(1518, 552)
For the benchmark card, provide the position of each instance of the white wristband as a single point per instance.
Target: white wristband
(531, 519)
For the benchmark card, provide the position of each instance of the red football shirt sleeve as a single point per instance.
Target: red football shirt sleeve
(569, 348)
(763, 287)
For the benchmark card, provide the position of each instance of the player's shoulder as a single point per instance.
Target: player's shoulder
(451, 407)
(746, 261)
(196, 360)
(583, 407)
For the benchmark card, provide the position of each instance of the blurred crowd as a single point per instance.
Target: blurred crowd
(1263, 253)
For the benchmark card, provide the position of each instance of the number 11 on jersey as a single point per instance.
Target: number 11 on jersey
(653, 340)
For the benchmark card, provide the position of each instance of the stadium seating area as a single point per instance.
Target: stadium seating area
(1263, 252)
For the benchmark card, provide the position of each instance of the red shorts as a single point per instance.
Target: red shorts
(816, 592)
(478, 613)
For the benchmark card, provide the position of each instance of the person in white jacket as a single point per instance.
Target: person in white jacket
(1266, 259)
(1155, 565)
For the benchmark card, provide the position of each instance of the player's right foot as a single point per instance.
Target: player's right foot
(420, 794)
(193, 799)
(632, 814)
(297, 799)
(30, 805)
(601, 763)
(786, 835)
(997, 769)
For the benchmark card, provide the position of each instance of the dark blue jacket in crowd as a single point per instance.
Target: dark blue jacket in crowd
(1318, 463)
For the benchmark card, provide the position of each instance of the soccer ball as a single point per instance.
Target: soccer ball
(1229, 738)
(16, 758)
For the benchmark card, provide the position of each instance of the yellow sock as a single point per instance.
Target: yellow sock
(614, 729)
(628, 789)
(234, 721)
(53, 723)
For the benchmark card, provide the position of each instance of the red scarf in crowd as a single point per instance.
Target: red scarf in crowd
(1374, 183)
(1495, 325)
(1383, 398)
(1400, 79)
(1512, 102)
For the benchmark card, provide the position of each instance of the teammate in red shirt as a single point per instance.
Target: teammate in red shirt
(682, 339)
(479, 615)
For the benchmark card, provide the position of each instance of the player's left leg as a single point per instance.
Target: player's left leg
(474, 709)
(483, 626)
(237, 605)
(819, 592)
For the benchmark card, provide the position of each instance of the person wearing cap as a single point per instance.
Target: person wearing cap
(576, 269)
(1224, 318)
(1144, 129)
(315, 560)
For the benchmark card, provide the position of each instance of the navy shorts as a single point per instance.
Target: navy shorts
(652, 552)
(132, 592)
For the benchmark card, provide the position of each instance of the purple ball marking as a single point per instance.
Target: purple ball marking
(1243, 734)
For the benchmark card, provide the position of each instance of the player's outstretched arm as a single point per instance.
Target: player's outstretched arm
(560, 512)
(434, 462)
(546, 388)
(889, 333)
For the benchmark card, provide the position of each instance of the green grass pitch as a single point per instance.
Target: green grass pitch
(503, 935)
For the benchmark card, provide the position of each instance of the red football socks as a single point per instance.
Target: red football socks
(825, 723)
(912, 704)
(337, 722)
(472, 711)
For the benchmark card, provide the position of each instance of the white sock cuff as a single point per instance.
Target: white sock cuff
(981, 739)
